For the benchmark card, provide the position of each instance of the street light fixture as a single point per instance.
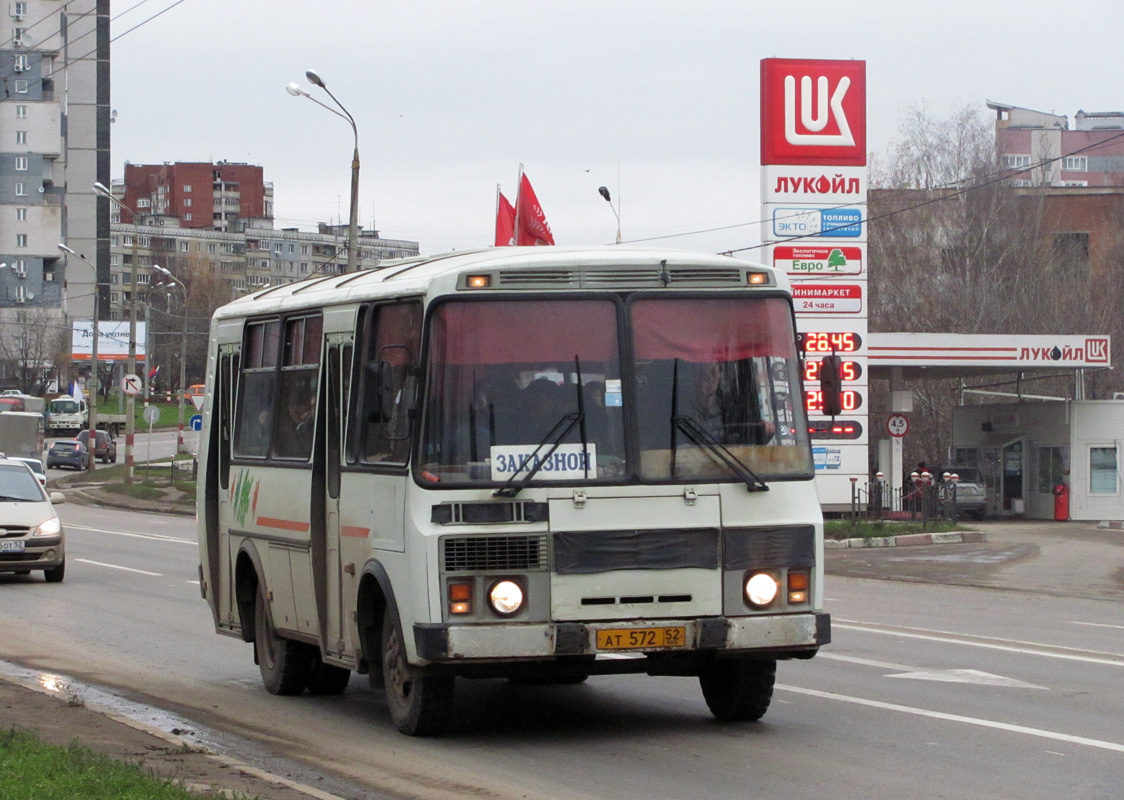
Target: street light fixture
(93, 421)
(353, 224)
(183, 352)
(130, 401)
(604, 192)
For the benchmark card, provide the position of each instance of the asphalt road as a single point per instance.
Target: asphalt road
(932, 687)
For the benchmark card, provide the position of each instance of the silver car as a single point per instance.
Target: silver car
(31, 534)
(971, 492)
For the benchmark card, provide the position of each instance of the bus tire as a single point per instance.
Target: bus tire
(738, 689)
(327, 679)
(419, 704)
(285, 665)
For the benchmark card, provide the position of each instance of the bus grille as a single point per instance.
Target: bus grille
(491, 553)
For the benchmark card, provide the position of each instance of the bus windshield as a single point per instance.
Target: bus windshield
(710, 391)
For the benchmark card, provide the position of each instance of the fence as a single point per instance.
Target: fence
(923, 501)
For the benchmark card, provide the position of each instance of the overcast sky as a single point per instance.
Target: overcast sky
(657, 100)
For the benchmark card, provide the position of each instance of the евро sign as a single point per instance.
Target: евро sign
(813, 112)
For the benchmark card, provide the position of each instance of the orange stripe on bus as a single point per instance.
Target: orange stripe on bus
(359, 533)
(283, 524)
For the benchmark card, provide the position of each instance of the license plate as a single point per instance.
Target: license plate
(11, 547)
(641, 638)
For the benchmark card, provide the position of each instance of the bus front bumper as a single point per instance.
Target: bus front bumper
(762, 635)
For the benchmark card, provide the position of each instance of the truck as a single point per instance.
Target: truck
(21, 434)
(67, 415)
(16, 401)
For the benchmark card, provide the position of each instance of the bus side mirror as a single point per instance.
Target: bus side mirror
(380, 382)
(831, 385)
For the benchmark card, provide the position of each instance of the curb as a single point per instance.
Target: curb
(1112, 524)
(185, 745)
(81, 496)
(906, 540)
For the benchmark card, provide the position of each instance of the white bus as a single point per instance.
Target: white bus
(531, 463)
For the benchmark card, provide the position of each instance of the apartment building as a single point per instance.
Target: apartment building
(54, 145)
(251, 256)
(200, 195)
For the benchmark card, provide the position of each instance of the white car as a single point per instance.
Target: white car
(31, 534)
(36, 466)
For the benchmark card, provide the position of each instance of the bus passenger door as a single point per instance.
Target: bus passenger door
(220, 559)
(335, 633)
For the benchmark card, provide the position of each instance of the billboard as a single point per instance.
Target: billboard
(113, 340)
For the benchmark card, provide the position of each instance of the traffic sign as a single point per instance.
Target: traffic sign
(196, 422)
(151, 414)
(131, 384)
(197, 401)
(897, 425)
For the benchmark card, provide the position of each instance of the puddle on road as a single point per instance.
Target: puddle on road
(77, 693)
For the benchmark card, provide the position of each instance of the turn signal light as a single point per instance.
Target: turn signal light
(460, 598)
(798, 587)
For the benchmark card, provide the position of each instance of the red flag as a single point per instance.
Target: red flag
(505, 221)
(530, 221)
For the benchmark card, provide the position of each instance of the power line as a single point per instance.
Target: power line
(975, 183)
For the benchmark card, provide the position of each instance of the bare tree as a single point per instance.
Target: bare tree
(955, 248)
(34, 342)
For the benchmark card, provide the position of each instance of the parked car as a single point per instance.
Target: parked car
(68, 453)
(105, 446)
(36, 466)
(971, 492)
(31, 535)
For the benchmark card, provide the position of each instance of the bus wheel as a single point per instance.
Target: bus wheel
(738, 689)
(419, 704)
(327, 678)
(285, 665)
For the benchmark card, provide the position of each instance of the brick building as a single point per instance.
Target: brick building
(200, 195)
(1089, 154)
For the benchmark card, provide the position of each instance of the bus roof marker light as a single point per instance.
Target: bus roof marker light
(757, 278)
(478, 281)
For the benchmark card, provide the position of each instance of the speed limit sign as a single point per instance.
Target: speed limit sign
(897, 425)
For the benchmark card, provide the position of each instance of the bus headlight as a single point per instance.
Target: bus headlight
(506, 597)
(761, 589)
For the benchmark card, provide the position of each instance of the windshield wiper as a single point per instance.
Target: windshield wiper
(699, 436)
(553, 438)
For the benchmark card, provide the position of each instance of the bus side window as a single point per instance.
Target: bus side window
(388, 384)
(256, 389)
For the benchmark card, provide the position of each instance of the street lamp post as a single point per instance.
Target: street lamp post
(604, 192)
(130, 407)
(353, 223)
(93, 421)
(183, 353)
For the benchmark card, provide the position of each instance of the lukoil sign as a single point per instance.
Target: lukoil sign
(813, 112)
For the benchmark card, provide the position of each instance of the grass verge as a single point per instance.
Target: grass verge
(33, 770)
(844, 529)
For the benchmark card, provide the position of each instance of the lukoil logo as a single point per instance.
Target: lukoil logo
(813, 112)
(816, 122)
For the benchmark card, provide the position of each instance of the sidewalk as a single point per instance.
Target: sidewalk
(1076, 559)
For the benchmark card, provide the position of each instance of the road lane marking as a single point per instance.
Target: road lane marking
(116, 566)
(159, 537)
(973, 676)
(982, 723)
(1029, 648)
(1097, 625)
